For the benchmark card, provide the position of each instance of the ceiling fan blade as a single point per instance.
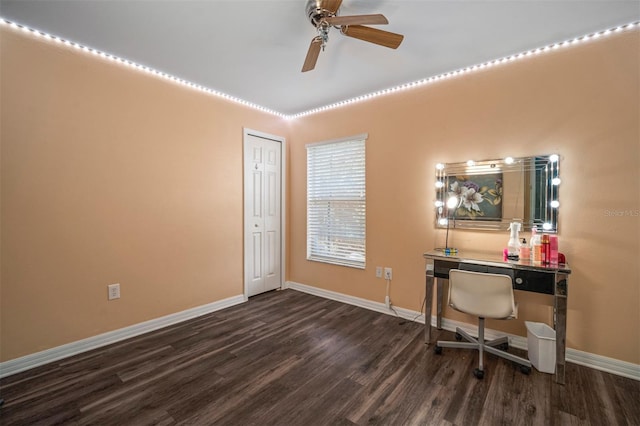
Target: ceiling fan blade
(377, 19)
(330, 5)
(312, 54)
(373, 35)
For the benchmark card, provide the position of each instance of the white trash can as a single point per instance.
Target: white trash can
(541, 342)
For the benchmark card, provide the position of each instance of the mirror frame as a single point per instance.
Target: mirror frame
(543, 169)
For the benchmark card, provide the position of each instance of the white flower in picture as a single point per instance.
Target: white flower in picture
(470, 199)
(456, 189)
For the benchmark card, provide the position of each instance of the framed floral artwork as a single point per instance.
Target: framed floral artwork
(479, 196)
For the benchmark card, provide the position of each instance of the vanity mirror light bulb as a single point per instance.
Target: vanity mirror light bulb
(439, 203)
(471, 163)
(452, 202)
(439, 184)
(554, 158)
(443, 221)
(556, 181)
(509, 160)
(555, 204)
(439, 166)
(546, 226)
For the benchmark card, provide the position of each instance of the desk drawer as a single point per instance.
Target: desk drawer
(537, 282)
(441, 268)
(523, 279)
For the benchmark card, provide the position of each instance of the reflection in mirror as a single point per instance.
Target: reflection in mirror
(492, 193)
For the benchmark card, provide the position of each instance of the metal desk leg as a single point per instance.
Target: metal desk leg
(440, 296)
(560, 299)
(428, 302)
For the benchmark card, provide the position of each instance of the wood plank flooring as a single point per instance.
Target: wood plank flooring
(289, 358)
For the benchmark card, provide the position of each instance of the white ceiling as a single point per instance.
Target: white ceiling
(254, 49)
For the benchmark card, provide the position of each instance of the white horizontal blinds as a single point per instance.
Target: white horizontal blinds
(336, 202)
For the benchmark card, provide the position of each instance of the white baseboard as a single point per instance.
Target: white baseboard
(27, 362)
(598, 362)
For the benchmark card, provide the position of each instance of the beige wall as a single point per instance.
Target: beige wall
(582, 102)
(110, 175)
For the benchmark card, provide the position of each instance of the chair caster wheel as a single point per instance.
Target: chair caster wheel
(458, 337)
(437, 350)
(525, 370)
(478, 373)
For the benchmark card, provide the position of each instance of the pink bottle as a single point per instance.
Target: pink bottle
(553, 248)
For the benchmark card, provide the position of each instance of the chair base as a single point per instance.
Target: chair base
(480, 345)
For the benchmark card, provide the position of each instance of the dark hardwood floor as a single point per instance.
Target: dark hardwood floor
(289, 358)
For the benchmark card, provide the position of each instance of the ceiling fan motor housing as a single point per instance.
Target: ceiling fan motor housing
(317, 13)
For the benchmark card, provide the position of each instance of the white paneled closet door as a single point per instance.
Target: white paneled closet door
(262, 214)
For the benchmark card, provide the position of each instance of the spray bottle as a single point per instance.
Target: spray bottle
(513, 246)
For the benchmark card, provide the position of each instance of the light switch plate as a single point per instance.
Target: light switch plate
(113, 291)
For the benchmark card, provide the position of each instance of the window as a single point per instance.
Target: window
(336, 202)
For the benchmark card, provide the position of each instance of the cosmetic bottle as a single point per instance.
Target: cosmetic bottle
(553, 245)
(536, 247)
(513, 245)
(525, 251)
(546, 249)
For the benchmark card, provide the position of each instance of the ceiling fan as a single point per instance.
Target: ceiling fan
(323, 16)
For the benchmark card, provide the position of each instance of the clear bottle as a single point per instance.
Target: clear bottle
(525, 251)
(513, 245)
(536, 247)
(533, 235)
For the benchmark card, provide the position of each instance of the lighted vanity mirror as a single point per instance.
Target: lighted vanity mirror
(492, 193)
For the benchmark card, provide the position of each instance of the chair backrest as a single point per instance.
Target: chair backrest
(481, 294)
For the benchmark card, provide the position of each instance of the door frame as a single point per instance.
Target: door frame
(283, 191)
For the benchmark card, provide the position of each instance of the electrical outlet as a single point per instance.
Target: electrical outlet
(378, 271)
(388, 273)
(113, 291)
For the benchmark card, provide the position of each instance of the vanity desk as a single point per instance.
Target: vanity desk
(526, 276)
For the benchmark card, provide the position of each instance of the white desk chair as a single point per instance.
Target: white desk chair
(485, 296)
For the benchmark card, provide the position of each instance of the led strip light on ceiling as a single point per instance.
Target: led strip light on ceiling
(472, 68)
(411, 85)
(139, 67)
